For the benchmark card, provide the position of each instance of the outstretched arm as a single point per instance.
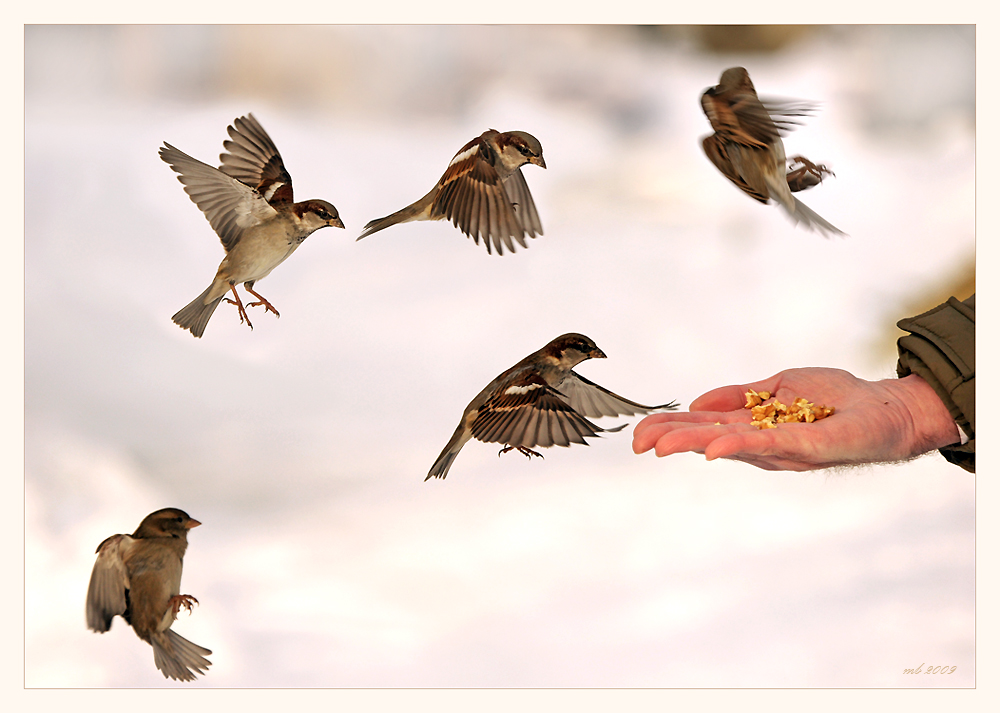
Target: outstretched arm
(874, 421)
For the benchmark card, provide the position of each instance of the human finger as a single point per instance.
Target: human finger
(732, 397)
(684, 417)
(687, 438)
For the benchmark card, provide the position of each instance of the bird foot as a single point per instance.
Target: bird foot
(526, 452)
(268, 307)
(239, 305)
(807, 175)
(181, 600)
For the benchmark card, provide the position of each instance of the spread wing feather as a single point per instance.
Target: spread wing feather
(230, 205)
(531, 413)
(594, 401)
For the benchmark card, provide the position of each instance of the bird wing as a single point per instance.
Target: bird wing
(762, 170)
(740, 117)
(472, 197)
(785, 113)
(524, 207)
(109, 583)
(715, 149)
(253, 159)
(528, 412)
(594, 401)
(230, 205)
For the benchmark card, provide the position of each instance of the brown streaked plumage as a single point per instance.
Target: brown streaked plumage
(747, 147)
(248, 201)
(138, 578)
(482, 192)
(540, 401)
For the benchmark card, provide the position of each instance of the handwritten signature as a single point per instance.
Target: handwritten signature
(931, 669)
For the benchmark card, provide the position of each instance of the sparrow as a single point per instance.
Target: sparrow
(248, 201)
(540, 401)
(747, 148)
(483, 192)
(138, 577)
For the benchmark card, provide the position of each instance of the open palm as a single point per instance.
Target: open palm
(875, 421)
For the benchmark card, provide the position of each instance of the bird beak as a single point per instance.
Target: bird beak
(538, 161)
(337, 223)
(598, 354)
(191, 523)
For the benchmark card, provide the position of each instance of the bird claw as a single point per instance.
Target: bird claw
(181, 600)
(805, 176)
(526, 452)
(268, 307)
(809, 166)
(239, 305)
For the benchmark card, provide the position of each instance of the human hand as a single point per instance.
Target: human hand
(875, 421)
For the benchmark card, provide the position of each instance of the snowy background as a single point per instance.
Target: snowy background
(324, 558)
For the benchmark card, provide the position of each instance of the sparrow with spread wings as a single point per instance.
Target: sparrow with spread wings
(540, 401)
(248, 202)
(138, 578)
(747, 149)
(483, 192)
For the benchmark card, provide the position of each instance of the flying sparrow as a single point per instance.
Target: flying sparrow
(248, 201)
(747, 148)
(138, 577)
(540, 401)
(483, 192)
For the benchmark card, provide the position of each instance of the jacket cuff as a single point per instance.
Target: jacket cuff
(941, 349)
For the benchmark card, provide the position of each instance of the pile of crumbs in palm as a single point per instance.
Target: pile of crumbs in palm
(770, 415)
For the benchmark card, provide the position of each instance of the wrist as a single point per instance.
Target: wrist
(933, 425)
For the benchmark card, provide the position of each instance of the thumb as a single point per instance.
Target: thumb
(732, 398)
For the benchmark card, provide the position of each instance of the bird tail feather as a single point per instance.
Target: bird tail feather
(177, 657)
(416, 211)
(811, 219)
(196, 314)
(443, 463)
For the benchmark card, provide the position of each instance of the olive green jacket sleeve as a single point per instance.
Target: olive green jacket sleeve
(941, 349)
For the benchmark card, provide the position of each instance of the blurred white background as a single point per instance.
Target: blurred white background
(324, 558)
